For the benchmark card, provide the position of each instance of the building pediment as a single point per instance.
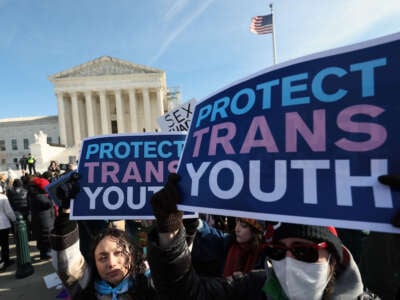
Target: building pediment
(104, 66)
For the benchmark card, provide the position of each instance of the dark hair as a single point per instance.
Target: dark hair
(46, 175)
(334, 273)
(17, 183)
(129, 248)
(256, 240)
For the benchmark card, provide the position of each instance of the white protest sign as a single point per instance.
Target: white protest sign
(178, 119)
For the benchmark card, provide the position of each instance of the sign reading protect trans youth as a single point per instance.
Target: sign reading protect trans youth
(119, 173)
(301, 142)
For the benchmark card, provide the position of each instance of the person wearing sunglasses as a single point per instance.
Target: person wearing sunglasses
(308, 263)
(304, 262)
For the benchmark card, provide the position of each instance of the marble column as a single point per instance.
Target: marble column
(147, 110)
(75, 118)
(61, 118)
(104, 113)
(133, 110)
(89, 113)
(120, 111)
(160, 101)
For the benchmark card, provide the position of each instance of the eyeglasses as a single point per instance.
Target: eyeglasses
(304, 252)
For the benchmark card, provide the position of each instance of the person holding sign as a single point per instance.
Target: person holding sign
(117, 270)
(304, 262)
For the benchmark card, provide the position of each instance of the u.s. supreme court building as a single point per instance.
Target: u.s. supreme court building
(103, 96)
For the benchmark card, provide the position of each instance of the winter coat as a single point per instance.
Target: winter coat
(18, 197)
(175, 278)
(209, 250)
(42, 215)
(6, 213)
(76, 273)
(42, 209)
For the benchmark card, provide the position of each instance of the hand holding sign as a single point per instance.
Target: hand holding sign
(164, 202)
(394, 182)
(390, 180)
(301, 142)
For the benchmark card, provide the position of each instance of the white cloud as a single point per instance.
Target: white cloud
(178, 30)
(177, 7)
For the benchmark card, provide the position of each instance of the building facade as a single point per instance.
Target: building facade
(103, 96)
(108, 95)
(17, 134)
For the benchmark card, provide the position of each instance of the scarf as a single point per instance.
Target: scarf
(241, 258)
(104, 288)
(272, 289)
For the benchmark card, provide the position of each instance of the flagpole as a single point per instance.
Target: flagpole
(273, 34)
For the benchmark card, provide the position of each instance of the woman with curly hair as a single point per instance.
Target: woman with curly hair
(117, 269)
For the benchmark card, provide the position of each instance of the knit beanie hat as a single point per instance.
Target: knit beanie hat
(317, 234)
(41, 183)
(252, 223)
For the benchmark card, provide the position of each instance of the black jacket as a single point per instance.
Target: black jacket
(175, 278)
(18, 200)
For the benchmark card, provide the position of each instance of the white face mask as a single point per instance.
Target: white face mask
(302, 280)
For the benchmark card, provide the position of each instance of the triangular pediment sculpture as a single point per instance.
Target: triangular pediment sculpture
(103, 66)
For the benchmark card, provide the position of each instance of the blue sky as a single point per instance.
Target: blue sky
(201, 45)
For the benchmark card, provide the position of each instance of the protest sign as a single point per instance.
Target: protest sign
(178, 119)
(301, 142)
(119, 173)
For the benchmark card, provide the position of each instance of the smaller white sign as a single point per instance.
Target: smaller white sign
(52, 280)
(179, 118)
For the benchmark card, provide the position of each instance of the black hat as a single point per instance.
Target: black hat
(316, 234)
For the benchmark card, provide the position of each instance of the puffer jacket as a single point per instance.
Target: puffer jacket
(19, 200)
(175, 278)
(42, 211)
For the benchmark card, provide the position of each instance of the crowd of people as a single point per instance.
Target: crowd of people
(27, 196)
(189, 259)
(210, 257)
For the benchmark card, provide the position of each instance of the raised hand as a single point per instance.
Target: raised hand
(394, 182)
(164, 202)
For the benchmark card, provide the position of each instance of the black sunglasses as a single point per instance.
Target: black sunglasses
(304, 252)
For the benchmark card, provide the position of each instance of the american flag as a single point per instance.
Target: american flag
(261, 24)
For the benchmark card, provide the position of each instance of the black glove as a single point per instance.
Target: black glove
(394, 182)
(68, 190)
(169, 219)
(390, 180)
